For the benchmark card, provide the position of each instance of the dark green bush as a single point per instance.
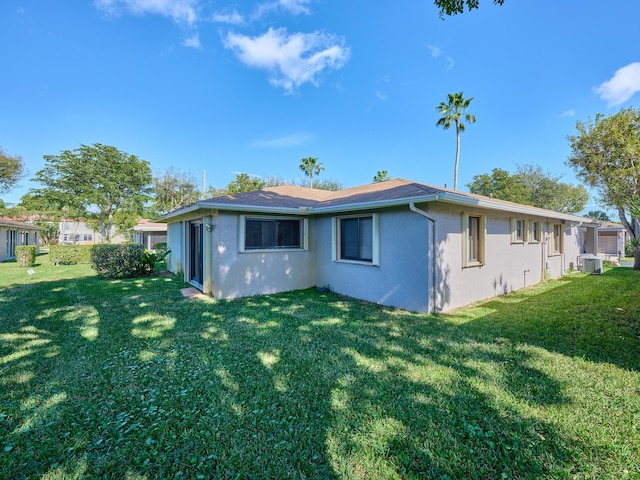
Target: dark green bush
(70, 254)
(118, 261)
(26, 255)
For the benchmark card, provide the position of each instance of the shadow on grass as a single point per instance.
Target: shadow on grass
(126, 378)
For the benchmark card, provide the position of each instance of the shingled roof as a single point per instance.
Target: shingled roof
(289, 199)
(9, 222)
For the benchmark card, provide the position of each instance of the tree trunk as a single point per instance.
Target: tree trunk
(455, 171)
(636, 258)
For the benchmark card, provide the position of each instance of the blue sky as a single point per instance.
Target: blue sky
(231, 87)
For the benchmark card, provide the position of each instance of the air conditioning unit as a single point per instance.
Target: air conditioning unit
(592, 265)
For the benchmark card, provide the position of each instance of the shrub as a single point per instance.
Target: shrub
(26, 255)
(70, 254)
(160, 246)
(118, 261)
(155, 261)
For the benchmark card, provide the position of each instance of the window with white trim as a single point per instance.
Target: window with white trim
(473, 240)
(272, 233)
(535, 232)
(556, 240)
(517, 230)
(356, 239)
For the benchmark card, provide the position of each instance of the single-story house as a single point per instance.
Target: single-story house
(82, 233)
(149, 233)
(13, 234)
(398, 243)
(612, 238)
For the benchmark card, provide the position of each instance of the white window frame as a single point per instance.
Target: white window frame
(304, 237)
(468, 262)
(336, 235)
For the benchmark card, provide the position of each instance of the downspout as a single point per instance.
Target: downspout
(413, 208)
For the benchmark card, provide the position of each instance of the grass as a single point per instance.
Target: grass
(126, 379)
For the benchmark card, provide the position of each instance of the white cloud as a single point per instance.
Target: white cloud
(622, 86)
(291, 60)
(180, 11)
(435, 51)
(287, 141)
(568, 113)
(381, 96)
(232, 18)
(451, 63)
(193, 41)
(295, 7)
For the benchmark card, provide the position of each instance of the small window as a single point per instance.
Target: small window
(356, 239)
(556, 243)
(517, 230)
(473, 240)
(271, 233)
(534, 232)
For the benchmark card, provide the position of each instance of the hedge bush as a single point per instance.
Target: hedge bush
(26, 255)
(118, 261)
(70, 254)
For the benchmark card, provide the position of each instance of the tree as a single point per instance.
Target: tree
(531, 185)
(311, 167)
(172, 190)
(244, 183)
(499, 184)
(11, 170)
(598, 215)
(452, 111)
(453, 7)
(95, 181)
(605, 153)
(329, 184)
(381, 176)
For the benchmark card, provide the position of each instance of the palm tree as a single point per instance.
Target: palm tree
(452, 112)
(311, 167)
(381, 176)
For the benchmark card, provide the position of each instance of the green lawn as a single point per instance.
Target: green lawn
(126, 379)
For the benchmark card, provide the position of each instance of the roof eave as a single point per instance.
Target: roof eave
(454, 198)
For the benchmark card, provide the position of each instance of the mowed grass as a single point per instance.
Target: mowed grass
(127, 379)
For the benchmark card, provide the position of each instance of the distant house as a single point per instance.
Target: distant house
(81, 233)
(398, 243)
(13, 234)
(149, 234)
(612, 238)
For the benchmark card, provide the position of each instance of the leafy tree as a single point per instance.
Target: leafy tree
(499, 184)
(599, 215)
(531, 185)
(11, 170)
(452, 111)
(605, 153)
(96, 181)
(381, 176)
(311, 167)
(244, 183)
(453, 7)
(329, 184)
(172, 190)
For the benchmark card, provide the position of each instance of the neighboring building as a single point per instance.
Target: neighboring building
(149, 234)
(13, 234)
(397, 243)
(612, 238)
(79, 232)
